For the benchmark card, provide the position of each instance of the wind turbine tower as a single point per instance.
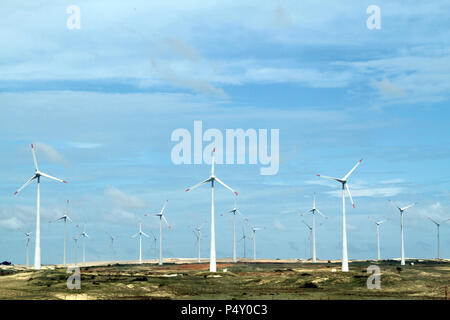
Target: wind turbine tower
(212, 179)
(378, 223)
(84, 235)
(64, 218)
(37, 176)
(161, 218)
(343, 182)
(313, 239)
(402, 211)
(438, 225)
(140, 234)
(27, 249)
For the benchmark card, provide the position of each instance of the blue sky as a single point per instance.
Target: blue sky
(101, 102)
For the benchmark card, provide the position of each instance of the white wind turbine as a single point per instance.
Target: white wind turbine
(254, 229)
(112, 245)
(243, 238)
(198, 235)
(313, 239)
(343, 181)
(140, 234)
(75, 239)
(438, 225)
(64, 218)
(402, 210)
(84, 235)
(154, 244)
(27, 250)
(37, 175)
(310, 237)
(233, 212)
(378, 223)
(212, 179)
(161, 218)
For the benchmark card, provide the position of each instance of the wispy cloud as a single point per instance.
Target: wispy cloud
(85, 145)
(122, 200)
(50, 153)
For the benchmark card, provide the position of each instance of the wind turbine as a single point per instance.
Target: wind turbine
(212, 179)
(438, 225)
(112, 245)
(243, 238)
(310, 237)
(64, 218)
(313, 239)
(154, 243)
(27, 250)
(343, 181)
(402, 210)
(140, 234)
(161, 218)
(254, 229)
(84, 235)
(75, 239)
(233, 212)
(378, 223)
(37, 175)
(198, 235)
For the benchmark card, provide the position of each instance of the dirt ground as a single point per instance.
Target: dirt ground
(268, 279)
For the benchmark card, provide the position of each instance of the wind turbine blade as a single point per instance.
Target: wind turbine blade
(68, 218)
(382, 221)
(198, 185)
(135, 235)
(145, 235)
(213, 162)
(350, 195)
(329, 178)
(34, 157)
(165, 220)
(221, 182)
(310, 210)
(324, 216)
(53, 178)
(351, 171)
(56, 219)
(306, 225)
(164, 206)
(153, 235)
(433, 221)
(395, 205)
(26, 183)
(407, 207)
(243, 217)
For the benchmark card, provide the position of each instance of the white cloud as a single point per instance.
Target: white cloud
(278, 225)
(11, 223)
(123, 200)
(50, 153)
(370, 192)
(388, 89)
(85, 145)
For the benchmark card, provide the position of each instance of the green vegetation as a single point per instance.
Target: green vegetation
(423, 280)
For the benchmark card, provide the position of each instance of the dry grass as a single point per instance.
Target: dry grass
(243, 280)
